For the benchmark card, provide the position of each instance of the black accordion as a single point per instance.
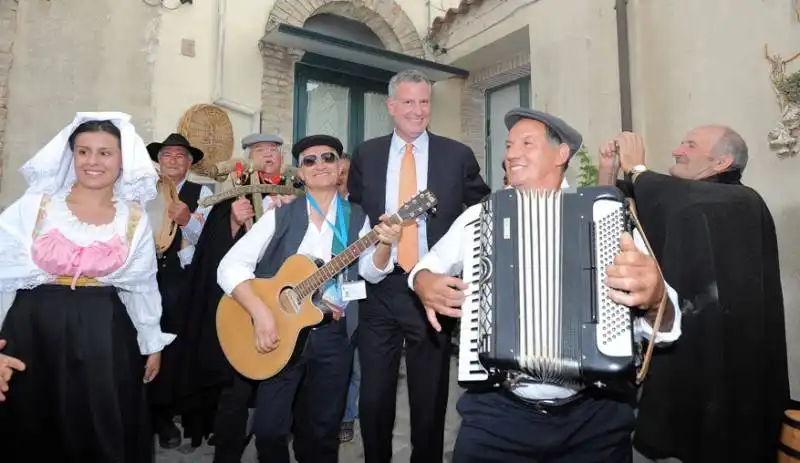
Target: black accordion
(536, 306)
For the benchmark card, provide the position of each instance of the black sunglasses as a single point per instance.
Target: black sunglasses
(313, 159)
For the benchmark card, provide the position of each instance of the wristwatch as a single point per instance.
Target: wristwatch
(638, 169)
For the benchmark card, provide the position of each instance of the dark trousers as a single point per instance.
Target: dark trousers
(230, 423)
(498, 428)
(390, 314)
(161, 392)
(317, 387)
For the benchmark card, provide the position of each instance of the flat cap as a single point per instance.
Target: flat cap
(568, 135)
(251, 140)
(317, 140)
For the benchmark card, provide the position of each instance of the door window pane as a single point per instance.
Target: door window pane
(377, 121)
(500, 102)
(328, 110)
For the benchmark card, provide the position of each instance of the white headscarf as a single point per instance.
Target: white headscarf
(52, 169)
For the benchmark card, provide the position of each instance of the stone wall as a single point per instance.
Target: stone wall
(8, 29)
(473, 121)
(72, 56)
(277, 92)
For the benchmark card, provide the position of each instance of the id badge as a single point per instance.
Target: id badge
(354, 290)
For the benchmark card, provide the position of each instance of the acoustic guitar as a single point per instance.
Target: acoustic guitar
(293, 296)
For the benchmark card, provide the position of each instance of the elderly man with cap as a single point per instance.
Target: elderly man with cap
(175, 155)
(211, 394)
(266, 148)
(530, 420)
(307, 398)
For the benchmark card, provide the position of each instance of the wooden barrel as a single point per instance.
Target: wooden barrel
(789, 446)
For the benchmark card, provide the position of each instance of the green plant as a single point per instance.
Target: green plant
(587, 171)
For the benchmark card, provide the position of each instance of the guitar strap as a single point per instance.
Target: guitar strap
(662, 305)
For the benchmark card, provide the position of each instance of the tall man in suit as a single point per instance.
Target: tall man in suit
(384, 173)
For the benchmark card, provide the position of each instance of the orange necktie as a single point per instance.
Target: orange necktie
(408, 246)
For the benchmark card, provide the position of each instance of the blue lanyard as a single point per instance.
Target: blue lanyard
(340, 228)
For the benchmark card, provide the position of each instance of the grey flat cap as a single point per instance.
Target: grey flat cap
(251, 140)
(568, 135)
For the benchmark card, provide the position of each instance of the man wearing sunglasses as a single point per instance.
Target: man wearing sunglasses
(214, 397)
(310, 394)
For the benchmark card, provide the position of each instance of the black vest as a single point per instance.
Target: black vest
(169, 264)
(291, 224)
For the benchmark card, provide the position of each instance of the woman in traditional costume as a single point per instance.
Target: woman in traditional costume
(79, 302)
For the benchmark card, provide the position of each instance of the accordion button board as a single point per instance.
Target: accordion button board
(536, 304)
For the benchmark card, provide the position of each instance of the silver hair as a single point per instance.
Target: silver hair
(732, 144)
(409, 75)
(248, 152)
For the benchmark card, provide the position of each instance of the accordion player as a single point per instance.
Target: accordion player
(536, 307)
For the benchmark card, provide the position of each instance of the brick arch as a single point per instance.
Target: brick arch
(386, 19)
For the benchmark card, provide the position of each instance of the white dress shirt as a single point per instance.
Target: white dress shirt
(397, 149)
(192, 230)
(240, 262)
(446, 258)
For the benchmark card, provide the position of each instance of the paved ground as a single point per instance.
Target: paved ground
(351, 452)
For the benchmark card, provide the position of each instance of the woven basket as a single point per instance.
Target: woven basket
(209, 128)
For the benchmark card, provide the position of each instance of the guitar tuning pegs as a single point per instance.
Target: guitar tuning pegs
(434, 210)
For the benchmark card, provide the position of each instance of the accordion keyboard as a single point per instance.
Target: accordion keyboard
(469, 367)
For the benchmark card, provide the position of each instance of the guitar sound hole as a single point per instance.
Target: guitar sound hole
(290, 302)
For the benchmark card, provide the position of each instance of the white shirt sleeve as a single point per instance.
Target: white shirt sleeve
(641, 327)
(138, 290)
(240, 262)
(144, 309)
(192, 230)
(447, 255)
(186, 255)
(366, 266)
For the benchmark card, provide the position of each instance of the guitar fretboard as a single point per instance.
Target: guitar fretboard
(338, 263)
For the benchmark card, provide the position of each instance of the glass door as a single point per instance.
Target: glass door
(499, 101)
(328, 110)
(339, 103)
(377, 121)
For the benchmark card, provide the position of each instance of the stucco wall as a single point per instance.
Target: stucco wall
(253, 78)
(703, 62)
(76, 55)
(71, 56)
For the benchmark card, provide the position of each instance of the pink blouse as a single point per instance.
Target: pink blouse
(57, 255)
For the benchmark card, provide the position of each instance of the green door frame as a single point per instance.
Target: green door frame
(358, 79)
(524, 84)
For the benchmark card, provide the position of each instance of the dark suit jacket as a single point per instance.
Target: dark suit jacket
(453, 176)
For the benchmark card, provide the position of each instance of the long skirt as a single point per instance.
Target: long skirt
(81, 398)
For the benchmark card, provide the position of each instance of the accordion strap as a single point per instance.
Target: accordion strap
(662, 305)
